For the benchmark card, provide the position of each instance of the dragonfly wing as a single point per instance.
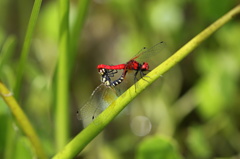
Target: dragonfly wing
(147, 53)
(100, 99)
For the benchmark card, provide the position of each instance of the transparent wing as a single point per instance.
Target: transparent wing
(145, 53)
(100, 99)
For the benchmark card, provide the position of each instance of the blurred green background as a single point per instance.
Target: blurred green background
(192, 111)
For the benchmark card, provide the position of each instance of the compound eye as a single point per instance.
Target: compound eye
(101, 71)
(145, 66)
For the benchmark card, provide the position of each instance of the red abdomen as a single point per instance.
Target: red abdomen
(109, 67)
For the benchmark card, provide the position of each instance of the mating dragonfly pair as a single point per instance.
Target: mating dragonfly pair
(103, 95)
(108, 71)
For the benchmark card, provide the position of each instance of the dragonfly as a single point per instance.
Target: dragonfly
(137, 63)
(106, 93)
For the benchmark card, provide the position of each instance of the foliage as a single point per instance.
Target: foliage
(193, 109)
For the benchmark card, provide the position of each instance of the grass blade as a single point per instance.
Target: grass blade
(22, 120)
(77, 28)
(7, 51)
(62, 80)
(26, 46)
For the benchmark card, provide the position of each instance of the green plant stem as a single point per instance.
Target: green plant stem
(83, 138)
(22, 120)
(62, 109)
(10, 145)
(7, 51)
(77, 28)
(26, 46)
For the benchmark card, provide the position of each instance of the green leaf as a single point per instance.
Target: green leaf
(198, 143)
(157, 147)
(26, 45)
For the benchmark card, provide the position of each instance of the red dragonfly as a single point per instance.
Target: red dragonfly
(107, 71)
(105, 93)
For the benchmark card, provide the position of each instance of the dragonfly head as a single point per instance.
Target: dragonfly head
(105, 76)
(101, 71)
(145, 66)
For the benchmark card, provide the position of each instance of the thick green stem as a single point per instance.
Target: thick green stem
(62, 109)
(22, 120)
